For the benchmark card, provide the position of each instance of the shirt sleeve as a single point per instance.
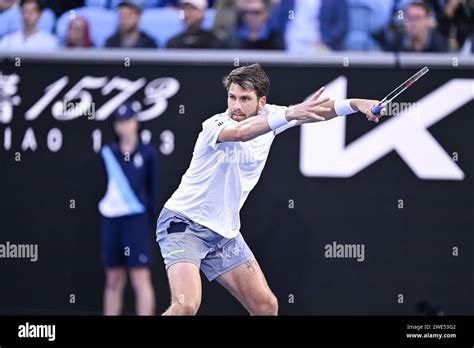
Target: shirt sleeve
(212, 127)
(285, 127)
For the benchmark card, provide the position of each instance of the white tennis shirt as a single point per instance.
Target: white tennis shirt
(221, 175)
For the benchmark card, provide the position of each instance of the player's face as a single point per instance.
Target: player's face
(126, 128)
(243, 103)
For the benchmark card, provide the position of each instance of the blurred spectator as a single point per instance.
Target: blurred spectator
(400, 5)
(227, 18)
(468, 47)
(6, 4)
(30, 38)
(78, 33)
(456, 20)
(367, 22)
(145, 4)
(256, 31)
(194, 36)
(282, 11)
(113, 4)
(128, 34)
(10, 17)
(318, 24)
(419, 35)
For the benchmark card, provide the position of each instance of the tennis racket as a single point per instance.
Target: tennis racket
(399, 90)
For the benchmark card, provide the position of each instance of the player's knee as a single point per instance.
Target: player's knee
(271, 305)
(186, 307)
(268, 305)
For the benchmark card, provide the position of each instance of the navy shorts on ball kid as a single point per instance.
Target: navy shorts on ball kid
(183, 240)
(126, 241)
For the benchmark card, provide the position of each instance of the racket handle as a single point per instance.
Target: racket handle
(376, 109)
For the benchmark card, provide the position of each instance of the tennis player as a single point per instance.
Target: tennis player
(199, 226)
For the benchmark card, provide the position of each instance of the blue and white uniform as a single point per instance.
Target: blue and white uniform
(129, 205)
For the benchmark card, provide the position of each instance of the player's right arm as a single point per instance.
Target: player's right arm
(253, 127)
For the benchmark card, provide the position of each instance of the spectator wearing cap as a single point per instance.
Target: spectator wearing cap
(78, 33)
(419, 34)
(194, 36)
(30, 38)
(256, 30)
(129, 210)
(128, 34)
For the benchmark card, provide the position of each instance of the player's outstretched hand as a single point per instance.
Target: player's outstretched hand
(309, 110)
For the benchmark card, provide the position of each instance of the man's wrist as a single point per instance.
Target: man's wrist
(289, 114)
(354, 104)
(345, 107)
(277, 119)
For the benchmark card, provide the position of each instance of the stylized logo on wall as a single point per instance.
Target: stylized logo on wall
(78, 102)
(323, 152)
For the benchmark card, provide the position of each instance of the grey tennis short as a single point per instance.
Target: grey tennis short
(183, 240)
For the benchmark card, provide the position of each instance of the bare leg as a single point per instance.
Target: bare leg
(115, 280)
(248, 284)
(143, 288)
(185, 285)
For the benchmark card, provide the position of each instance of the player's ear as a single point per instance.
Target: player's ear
(262, 102)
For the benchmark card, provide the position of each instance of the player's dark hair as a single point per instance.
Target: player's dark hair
(250, 77)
